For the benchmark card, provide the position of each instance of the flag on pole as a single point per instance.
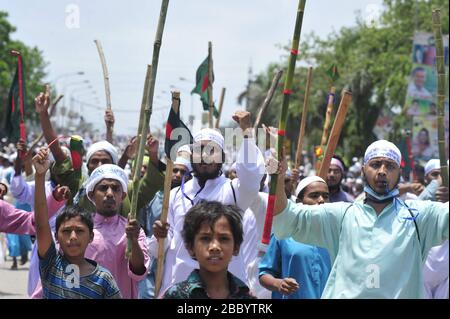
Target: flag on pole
(181, 137)
(15, 124)
(201, 87)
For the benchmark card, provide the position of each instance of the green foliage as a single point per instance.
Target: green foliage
(34, 65)
(373, 61)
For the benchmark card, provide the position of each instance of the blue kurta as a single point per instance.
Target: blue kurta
(373, 256)
(308, 265)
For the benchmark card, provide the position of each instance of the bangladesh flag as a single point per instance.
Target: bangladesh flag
(201, 87)
(14, 122)
(181, 136)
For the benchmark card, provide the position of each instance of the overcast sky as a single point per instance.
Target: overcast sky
(244, 33)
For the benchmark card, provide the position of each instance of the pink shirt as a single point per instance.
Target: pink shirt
(108, 250)
(17, 221)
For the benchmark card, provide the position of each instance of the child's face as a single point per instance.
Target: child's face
(213, 248)
(73, 237)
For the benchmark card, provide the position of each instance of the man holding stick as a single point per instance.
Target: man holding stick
(208, 184)
(369, 241)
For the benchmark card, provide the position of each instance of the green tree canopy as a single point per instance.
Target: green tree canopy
(374, 61)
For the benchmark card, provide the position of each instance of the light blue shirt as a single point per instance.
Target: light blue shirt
(373, 256)
(308, 265)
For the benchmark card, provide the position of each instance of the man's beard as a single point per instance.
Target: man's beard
(175, 183)
(335, 188)
(207, 175)
(108, 212)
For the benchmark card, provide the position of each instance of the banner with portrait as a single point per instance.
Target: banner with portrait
(420, 103)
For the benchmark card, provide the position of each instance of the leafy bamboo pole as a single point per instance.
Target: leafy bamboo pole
(165, 206)
(282, 125)
(109, 129)
(437, 28)
(210, 88)
(222, 97)
(147, 107)
(268, 99)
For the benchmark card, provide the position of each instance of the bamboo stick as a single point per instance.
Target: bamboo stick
(165, 206)
(437, 29)
(335, 133)
(282, 125)
(268, 99)
(109, 129)
(301, 133)
(144, 118)
(222, 97)
(210, 89)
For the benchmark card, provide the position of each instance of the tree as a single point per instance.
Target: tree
(373, 61)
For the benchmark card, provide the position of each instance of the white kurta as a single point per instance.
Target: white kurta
(178, 263)
(435, 272)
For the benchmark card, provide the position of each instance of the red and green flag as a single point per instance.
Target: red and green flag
(202, 83)
(183, 136)
(14, 123)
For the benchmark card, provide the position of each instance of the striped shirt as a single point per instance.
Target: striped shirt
(59, 279)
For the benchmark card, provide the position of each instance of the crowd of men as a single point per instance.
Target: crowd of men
(363, 232)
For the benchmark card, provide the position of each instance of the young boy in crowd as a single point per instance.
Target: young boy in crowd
(67, 275)
(212, 234)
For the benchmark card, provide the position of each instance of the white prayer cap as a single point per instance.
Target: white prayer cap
(107, 171)
(180, 160)
(432, 164)
(383, 148)
(103, 146)
(307, 181)
(209, 134)
(233, 167)
(185, 148)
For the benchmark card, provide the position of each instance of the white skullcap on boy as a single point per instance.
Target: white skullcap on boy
(307, 181)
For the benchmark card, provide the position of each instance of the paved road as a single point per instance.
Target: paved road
(13, 283)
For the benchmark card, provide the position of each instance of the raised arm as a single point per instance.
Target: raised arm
(249, 164)
(42, 102)
(43, 231)
(109, 121)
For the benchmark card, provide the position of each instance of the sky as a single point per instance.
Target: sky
(244, 34)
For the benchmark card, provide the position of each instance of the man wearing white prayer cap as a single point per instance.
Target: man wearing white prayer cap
(432, 170)
(369, 241)
(293, 270)
(209, 184)
(106, 189)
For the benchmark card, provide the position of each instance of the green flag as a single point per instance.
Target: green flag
(333, 73)
(201, 86)
(14, 123)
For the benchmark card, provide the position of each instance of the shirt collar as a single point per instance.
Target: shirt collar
(100, 219)
(236, 286)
